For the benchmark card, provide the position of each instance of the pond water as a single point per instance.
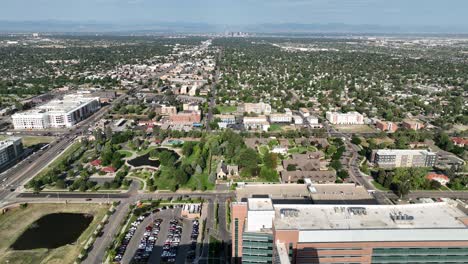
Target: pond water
(145, 160)
(53, 231)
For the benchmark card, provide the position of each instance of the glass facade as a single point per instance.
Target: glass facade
(420, 255)
(257, 248)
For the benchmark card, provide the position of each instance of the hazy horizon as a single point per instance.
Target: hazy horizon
(243, 12)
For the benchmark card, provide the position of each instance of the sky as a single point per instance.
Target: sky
(242, 12)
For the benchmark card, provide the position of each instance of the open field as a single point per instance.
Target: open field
(355, 128)
(34, 140)
(15, 221)
(225, 109)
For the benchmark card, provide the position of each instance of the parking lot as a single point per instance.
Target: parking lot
(162, 237)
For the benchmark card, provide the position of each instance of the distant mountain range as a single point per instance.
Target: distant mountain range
(54, 26)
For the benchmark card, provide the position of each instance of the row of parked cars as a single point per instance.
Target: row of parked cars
(128, 236)
(193, 237)
(147, 242)
(172, 242)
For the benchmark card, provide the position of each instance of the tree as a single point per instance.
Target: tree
(355, 140)
(291, 167)
(248, 159)
(270, 160)
(336, 164)
(435, 185)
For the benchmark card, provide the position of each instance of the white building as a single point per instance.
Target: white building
(351, 118)
(57, 113)
(280, 118)
(225, 120)
(258, 108)
(257, 122)
(298, 120)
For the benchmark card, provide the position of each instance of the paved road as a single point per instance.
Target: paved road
(110, 231)
(28, 168)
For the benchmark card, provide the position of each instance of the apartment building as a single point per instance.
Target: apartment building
(62, 113)
(10, 149)
(280, 118)
(267, 232)
(185, 117)
(394, 158)
(386, 126)
(412, 124)
(257, 108)
(257, 122)
(351, 118)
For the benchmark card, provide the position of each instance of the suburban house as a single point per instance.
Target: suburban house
(224, 171)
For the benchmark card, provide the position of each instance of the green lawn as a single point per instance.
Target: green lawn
(147, 150)
(275, 127)
(74, 147)
(14, 222)
(301, 149)
(126, 153)
(224, 109)
(29, 141)
(379, 186)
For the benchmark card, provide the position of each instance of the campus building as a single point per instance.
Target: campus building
(280, 118)
(256, 123)
(268, 232)
(10, 149)
(394, 158)
(351, 118)
(63, 113)
(386, 126)
(257, 108)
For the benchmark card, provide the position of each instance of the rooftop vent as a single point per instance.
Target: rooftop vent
(400, 217)
(357, 210)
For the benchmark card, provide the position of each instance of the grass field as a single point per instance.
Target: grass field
(126, 153)
(355, 129)
(15, 221)
(224, 109)
(29, 141)
(74, 147)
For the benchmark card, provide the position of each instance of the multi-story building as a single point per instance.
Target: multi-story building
(266, 232)
(412, 124)
(185, 117)
(257, 108)
(351, 118)
(57, 113)
(166, 110)
(280, 118)
(10, 149)
(393, 158)
(225, 120)
(191, 107)
(386, 126)
(304, 111)
(257, 122)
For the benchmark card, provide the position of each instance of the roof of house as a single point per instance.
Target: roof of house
(96, 162)
(435, 176)
(108, 169)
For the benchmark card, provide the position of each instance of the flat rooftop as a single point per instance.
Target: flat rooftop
(67, 104)
(340, 193)
(318, 193)
(352, 217)
(402, 151)
(260, 204)
(283, 191)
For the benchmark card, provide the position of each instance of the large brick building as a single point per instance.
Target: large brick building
(265, 232)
